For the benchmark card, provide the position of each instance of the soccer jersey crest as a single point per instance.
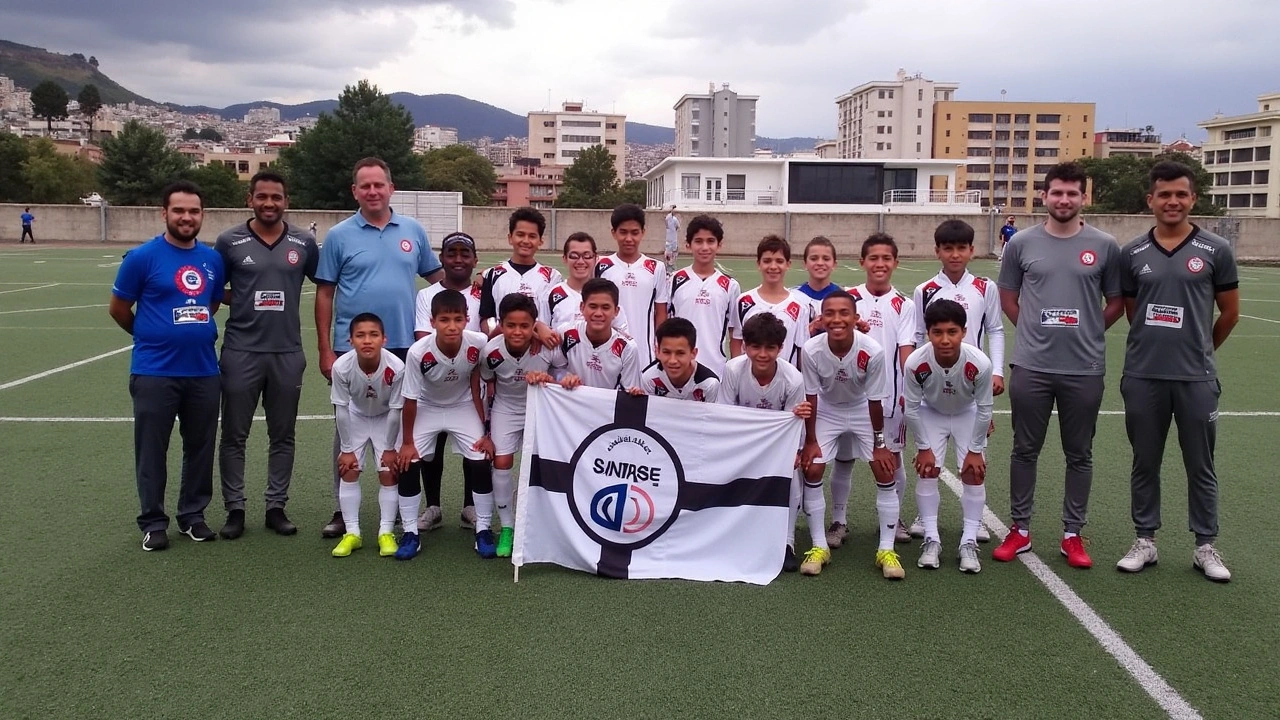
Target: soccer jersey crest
(618, 346)
(603, 264)
(571, 340)
(980, 284)
(970, 372)
(745, 303)
(494, 359)
(793, 309)
(388, 376)
(922, 373)
(651, 265)
(473, 355)
(724, 281)
(680, 279)
(863, 359)
(930, 289)
(546, 273)
(428, 363)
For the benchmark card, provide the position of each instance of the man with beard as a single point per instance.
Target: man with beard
(176, 284)
(266, 261)
(1060, 285)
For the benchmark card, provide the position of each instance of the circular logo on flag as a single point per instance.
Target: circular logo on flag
(293, 257)
(190, 280)
(1088, 257)
(626, 484)
(1195, 264)
(406, 246)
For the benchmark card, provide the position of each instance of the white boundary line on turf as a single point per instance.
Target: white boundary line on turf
(1147, 678)
(1224, 413)
(68, 366)
(68, 307)
(38, 287)
(123, 419)
(1252, 317)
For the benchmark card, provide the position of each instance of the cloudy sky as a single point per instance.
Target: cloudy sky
(1168, 64)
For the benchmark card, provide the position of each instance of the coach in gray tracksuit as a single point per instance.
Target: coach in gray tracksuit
(266, 262)
(1172, 277)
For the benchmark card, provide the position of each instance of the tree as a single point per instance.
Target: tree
(591, 181)
(14, 151)
(49, 101)
(137, 164)
(635, 192)
(1120, 183)
(54, 178)
(221, 185)
(93, 61)
(78, 56)
(459, 168)
(90, 103)
(209, 134)
(365, 123)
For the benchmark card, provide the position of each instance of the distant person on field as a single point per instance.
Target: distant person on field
(27, 219)
(267, 261)
(672, 248)
(312, 229)
(370, 262)
(1006, 234)
(176, 284)
(1172, 277)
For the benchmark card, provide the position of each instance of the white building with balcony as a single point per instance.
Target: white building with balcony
(1243, 153)
(809, 184)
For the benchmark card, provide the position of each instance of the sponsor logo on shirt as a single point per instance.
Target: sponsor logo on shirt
(1145, 269)
(922, 373)
(970, 372)
(270, 300)
(1140, 248)
(842, 376)
(296, 241)
(1088, 257)
(189, 314)
(1164, 315)
(190, 280)
(406, 246)
(595, 364)
(1203, 246)
(293, 256)
(704, 297)
(630, 280)
(241, 241)
(248, 260)
(1195, 264)
(1060, 317)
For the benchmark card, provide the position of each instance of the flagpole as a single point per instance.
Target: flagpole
(522, 487)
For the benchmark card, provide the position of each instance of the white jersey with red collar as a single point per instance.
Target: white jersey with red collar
(508, 372)
(561, 306)
(892, 318)
(433, 378)
(844, 381)
(611, 365)
(980, 298)
(641, 285)
(503, 279)
(422, 307)
(794, 311)
(961, 388)
(738, 386)
(367, 394)
(708, 304)
(704, 386)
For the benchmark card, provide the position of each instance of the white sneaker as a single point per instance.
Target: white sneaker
(1142, 554)
(430, 518)
(836, 534)
(917, 528)
(930, 551)
(900, 535)
(468, 519)
(984, 535)
(1208, 561)
(969, 558)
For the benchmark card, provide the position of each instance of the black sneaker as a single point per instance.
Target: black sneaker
(789, 561)
(234, 527)
(199, 532)
(335, 528)
(279, 522)
(155, 540)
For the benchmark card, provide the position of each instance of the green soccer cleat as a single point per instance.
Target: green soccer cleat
(386, 545)
(506, 538)
(347, 545)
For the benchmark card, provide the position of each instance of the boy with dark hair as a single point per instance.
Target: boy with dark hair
(677, 373)
(704, 294)
(561, 306)
(949, 399)
(367, 397)
(640, 279)
(773, 258)
(522, 273)
(593, 352)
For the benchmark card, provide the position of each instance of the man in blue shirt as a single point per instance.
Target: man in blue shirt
(1006, 234)
(176, 284)
(27, 219)
(370, 262)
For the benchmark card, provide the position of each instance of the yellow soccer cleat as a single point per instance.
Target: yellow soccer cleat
(814, 559)
(386, 545)
(347, 545)
(887, 561)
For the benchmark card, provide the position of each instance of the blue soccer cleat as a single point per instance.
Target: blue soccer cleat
(486, 547)
(409, 546)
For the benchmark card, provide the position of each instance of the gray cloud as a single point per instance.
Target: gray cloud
(762, 22)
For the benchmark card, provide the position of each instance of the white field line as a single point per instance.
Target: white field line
(51, 309)
(1147, 678)
(1224, 413)
(68, 366)
(1258, 300)
(38, 287)
(1252, 317)
(122, 419)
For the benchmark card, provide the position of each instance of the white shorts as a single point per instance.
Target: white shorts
(507, 432)
(369, 433)
(943, 430)
(895, 426)
(460, 421)
(852, 424)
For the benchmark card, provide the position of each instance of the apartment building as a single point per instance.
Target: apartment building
(1007, 147)
(1138, 142)
(557, 138)
(1243, 154)
(890, 119)
(433, 137)
(720, 123)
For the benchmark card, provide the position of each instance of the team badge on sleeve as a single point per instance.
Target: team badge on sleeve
(922, 373)
(570, 341)
(495, 359)
(546, 273)
(680, 278)
(618, 346)
(723, 281)
(651, 265)
(745, 303)
(388, 376)
(863, 359)
(970, 372)
(428, 362)
(793, 309)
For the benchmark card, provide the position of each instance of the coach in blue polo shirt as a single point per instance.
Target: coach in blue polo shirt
(176, 284)
(370, 262)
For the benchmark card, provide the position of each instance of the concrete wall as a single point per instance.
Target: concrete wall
(1255, 238)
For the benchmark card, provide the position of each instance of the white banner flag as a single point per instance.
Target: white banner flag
(650, 487)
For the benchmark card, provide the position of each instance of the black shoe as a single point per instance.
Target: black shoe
(155, 540)
(279, 522)
(335, 528)
(199, 532)
(234, 527)
(789, 562)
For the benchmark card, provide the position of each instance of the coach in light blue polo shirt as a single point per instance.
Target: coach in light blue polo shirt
(370, 262)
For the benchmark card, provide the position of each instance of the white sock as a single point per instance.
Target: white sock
(409, 508)
(841, 487)
(815, 506)
(1068, 535)
(388, 503)
(927, 501)
(502, 497)
(900, 482)
(887, 507)
(793, 507)
(349, 502)
(972, 499)
(484, 510)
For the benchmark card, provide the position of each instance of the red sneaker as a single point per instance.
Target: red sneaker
(1073, 548)
(1015, 543)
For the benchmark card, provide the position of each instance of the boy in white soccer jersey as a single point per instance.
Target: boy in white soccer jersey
(844, 380)
(643, 289)
(366, 395)
(758, 379)
(593, 352)
(773, 258)
(561, 305)
(979, 296)
(522, 273)
(442, 394)
(890, 320)
(949, 398)
(458, 255)
(676, 373)
(703, 294)
(509, 360)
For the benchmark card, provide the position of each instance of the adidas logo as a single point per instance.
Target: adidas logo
(1145, 269)
(247, 261)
